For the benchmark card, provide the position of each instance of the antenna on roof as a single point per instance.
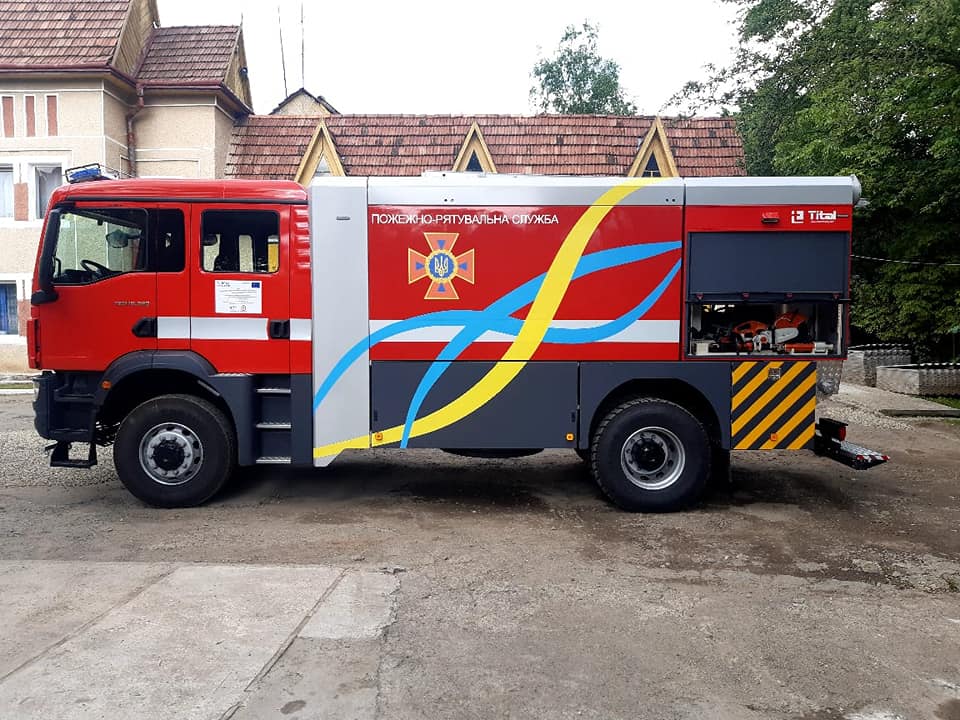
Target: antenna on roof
(283, 59)
(303, 55)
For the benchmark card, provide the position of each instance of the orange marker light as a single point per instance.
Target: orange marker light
(569, 437)
(106, 384)
(378, 436)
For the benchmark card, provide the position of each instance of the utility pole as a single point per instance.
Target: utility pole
(283, 58)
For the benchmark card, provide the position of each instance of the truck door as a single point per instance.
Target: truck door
(240, 299)
(105, 276)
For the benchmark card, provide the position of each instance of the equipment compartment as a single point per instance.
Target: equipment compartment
(767, 329)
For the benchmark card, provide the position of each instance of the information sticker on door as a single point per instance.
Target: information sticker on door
(239, 297)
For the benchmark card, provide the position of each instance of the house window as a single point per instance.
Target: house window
(30, 114)
(651, 169)
(6, 111)
(49, 178)
(474, 164)
(6, 191)
(53, 125)
(241, 241)
(323, 167)
(8, 309)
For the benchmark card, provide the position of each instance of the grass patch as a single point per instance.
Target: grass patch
(953, 402)
(16, 386)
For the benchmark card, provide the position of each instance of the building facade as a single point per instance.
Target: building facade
(101, 82)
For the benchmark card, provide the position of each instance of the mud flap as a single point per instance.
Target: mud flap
(830, 441)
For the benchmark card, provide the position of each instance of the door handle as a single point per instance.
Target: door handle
(279, 330)
(145, 327)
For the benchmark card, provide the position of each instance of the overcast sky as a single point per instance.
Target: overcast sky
(420, 56)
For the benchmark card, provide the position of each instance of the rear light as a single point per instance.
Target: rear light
(842, 433)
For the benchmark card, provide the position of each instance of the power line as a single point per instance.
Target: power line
(906, 262)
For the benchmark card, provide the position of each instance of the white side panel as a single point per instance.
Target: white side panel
(338, 231)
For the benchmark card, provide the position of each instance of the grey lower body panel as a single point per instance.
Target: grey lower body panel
(538, 409)
(711, 380)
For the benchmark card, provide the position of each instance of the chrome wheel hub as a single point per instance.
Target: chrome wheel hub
(653, 458)
(171, 453)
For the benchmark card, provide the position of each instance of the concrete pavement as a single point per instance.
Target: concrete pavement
(151, 640)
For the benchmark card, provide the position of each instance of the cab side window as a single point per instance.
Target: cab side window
(168, 241)
(94, 244)
(240, 241)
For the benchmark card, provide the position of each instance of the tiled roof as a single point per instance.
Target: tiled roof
(543, 144)
(269, 147)
(705, 146)
(60, 32)
(189, 54)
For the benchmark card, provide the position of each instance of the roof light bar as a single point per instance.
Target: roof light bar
(86, 173)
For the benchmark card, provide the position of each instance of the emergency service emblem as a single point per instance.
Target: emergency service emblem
(441, 267)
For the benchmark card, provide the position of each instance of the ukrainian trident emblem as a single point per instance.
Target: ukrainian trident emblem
(441, 266)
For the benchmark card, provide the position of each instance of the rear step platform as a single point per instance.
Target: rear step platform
(830, 441)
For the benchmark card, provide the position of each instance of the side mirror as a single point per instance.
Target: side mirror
(41, 297)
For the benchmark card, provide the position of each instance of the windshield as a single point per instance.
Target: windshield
(95, 244)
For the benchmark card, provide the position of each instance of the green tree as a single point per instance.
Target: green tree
(576, 80)
(870, 87)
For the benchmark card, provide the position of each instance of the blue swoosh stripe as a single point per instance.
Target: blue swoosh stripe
(495, 316)
(554, 335)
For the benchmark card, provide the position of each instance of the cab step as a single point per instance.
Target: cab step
(273, 426)
(60, 456)
(273, 460)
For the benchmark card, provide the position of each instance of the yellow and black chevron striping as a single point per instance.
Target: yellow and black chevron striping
(773, 405)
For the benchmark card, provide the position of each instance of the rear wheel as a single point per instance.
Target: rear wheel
(651, 455)
(175, 451)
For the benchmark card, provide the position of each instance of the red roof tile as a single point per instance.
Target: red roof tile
(45, 33)
(189, 54)
(705, 146)
(269, 147)
(543, 144)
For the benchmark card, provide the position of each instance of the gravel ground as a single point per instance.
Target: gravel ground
(24, 461)
(802, 591)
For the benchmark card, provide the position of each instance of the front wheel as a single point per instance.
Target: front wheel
(175, 451)
(651, 455)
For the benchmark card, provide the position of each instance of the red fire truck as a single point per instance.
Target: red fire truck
(650, 324)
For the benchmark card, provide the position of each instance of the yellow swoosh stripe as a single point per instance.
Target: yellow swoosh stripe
(538, 320)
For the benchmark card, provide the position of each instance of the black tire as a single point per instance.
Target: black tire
(668, 456)
(204, 467)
